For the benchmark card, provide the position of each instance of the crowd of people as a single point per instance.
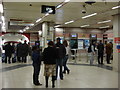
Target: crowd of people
(17, 52)
(54, 56)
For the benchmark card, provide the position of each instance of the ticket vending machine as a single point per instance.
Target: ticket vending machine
(93, 38)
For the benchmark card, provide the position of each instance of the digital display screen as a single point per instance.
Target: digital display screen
(73, 35)
(93, 35)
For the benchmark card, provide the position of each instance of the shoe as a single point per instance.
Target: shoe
(64, 72)
(61, 78)
(53, 86)
(46, 86)
(38, 84)
(68, 71)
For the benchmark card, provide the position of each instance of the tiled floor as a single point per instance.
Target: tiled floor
(19, 75)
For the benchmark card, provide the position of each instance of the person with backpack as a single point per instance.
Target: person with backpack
(91, 53)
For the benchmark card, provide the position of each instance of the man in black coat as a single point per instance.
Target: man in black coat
(61, 52)
(8, 52)
(18, 51)
(100, 48)
(24, 51)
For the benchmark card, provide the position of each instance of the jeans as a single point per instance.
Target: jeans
(59, 63)
(64, 63)
(36, 73)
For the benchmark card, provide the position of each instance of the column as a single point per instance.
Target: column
(44, 34)
(116, 31)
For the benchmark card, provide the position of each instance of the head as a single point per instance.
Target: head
(65, 43)
(9, 43)
(51, 43)
(100, 41)
(25, 41)
(58, 40)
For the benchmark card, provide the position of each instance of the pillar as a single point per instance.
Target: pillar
(44, 34)
(116, 31)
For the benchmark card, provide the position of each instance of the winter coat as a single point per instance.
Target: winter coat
(49, 55)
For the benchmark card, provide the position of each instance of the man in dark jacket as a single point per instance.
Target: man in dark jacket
(18, 51)
(100, 48)
(8, 52)
(61, 52)
(24, 51)
(49, 57)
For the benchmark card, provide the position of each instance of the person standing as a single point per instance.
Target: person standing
(36, 65)
(24, 51)
(100, 48)
(49, 58)
(19, 51)
(91, 53)
(61, 52)
(108, 52)
(66, 57)
(8, 52)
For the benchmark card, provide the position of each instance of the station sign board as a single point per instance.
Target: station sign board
(48, 9)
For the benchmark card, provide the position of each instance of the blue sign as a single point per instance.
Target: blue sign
(118, 46)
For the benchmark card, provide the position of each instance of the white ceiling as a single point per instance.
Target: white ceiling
(70, 11)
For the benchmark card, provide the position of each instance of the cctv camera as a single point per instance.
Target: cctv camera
(83, 11)
(30, 4)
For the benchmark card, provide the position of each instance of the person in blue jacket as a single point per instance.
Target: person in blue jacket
(36, 64)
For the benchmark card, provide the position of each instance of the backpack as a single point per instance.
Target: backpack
(89, 49)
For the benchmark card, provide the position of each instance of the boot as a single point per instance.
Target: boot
(53, 81)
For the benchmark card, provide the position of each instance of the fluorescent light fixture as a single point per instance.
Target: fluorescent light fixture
(104, 27)
(89, 15)
(57, 26)
(27, 27)
(39, 32)
(116, 7)
(85, 26)
(38, 20)
(1, 8)
(66, 0)
(59, 6)
(21, 31)
(32, 24)
(104, 21)
(46, 14)
(69, 22)
(24, 30)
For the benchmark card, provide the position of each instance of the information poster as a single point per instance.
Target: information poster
(86, 43)
(80, 44)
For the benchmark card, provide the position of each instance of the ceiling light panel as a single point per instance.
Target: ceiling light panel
(69, 22)
(89, 15)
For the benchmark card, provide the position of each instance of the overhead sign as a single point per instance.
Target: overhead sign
(48, 9)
